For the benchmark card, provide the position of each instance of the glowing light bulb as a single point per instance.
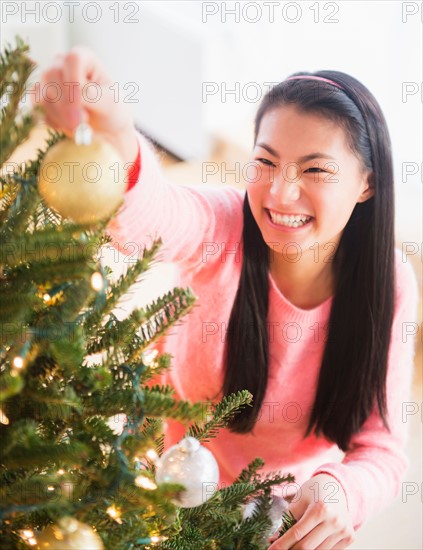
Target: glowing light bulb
(60, 472)
(97, 282)
(3, 417)
(18, 362)
(152, 455)
(156, 538)
(114, 513)
(46, 297)
(145, 483)
(28, 537)
(148, 356)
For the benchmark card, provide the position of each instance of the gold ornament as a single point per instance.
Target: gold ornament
(82, 179)
(69, 534)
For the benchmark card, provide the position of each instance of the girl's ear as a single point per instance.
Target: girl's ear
(369, 189)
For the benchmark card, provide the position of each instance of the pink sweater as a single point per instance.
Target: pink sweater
(201, 228)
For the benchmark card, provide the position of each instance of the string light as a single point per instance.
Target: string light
(97, 282)
(28, 536)
(156, 538)
(152, 455)
(18, 362)
(145, 483)
(60, 472)
(148, 357)
(46, 297)
(3, 417)
(114, 513)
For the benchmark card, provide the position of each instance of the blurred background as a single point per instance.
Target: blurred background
(194, 73)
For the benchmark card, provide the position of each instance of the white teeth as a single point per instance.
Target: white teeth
(290, 221)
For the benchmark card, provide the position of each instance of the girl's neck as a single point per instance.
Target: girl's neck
(305, 283)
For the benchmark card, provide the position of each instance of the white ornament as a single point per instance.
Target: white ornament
(277, 507)
(191, 465)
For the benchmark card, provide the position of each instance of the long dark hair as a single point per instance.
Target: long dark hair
(354, 365)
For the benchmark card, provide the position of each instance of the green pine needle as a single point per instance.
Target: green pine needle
(288, 521)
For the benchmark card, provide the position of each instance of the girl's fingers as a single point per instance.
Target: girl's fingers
(76, 88)
(272, 538)
(334, 543)
(312, 539)
(78, 68)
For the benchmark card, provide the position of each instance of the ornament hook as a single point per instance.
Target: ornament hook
(83, 134)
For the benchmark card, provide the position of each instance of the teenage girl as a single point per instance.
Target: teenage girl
(302, 296)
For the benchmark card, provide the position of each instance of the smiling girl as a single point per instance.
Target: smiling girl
(302, 296)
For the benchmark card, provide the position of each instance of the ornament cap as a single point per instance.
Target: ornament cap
(68, 524)
(83, 134)
(189, 444)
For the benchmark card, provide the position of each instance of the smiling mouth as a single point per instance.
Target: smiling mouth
(289, 220)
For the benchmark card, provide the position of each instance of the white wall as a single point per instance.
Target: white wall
(171, 49)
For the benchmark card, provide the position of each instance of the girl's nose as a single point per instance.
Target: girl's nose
(285, 191)
(285, 186)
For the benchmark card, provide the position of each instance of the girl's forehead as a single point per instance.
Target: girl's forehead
(292, 117)
(287, 129)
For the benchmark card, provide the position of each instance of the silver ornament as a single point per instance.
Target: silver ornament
(191, 465)
(277, 507)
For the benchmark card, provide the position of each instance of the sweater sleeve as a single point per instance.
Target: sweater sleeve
(191, 221)
(373, 469)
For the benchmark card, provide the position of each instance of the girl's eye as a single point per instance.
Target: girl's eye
(314, 168)
(267, 162)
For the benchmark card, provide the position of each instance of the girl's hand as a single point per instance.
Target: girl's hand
(323, 520)
(76, 88)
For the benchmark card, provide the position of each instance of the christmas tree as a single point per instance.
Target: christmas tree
(69, 366)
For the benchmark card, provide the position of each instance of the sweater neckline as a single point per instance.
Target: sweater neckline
(295, 313)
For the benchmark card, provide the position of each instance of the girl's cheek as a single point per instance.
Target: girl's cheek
(258, 175)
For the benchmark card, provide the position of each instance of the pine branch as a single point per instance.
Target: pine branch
(249, 474)
(49, 244)
(19, 204)
(158, 405)
(16, 301)
(288, 520)
(222, 412)
(121, 287)
(15, 69)
(161, 364)
(9, 386)
(143, 326)
(157, 318)
(35, 452)
(234, 494)
(22, 208)
(27, 172)
(52, 272)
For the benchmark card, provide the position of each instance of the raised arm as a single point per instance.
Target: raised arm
(193, 223)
